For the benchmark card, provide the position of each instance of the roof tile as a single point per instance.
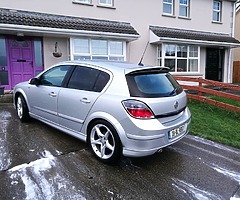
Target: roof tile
(19, 17)
(192, 35)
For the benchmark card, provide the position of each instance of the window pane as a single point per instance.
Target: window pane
(102, 80)
(38, 52)
(3, 55)
(171, 64)
(107, 2)
(216, 16)
(99, 58)
(99, 47)
(193, 65)
(193, 51)
(170, 50)
(159, 51)
(182, 51)
(83, 78)
(81, 45)
(167, 8)
(216, 5)
(116, 48)
(167, 1)
(116, 58)
(152, 85)
(185, 2)
(54, 76)
(81, 58)
(182, 65)
(183, 11)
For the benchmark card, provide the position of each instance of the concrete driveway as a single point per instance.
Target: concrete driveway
(39, 162)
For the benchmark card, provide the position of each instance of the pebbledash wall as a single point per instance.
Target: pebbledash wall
(192, 37)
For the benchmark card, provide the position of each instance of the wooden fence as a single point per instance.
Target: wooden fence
(200, 90)
(236, 71)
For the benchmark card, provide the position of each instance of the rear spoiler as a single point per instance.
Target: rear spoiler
(155, 69)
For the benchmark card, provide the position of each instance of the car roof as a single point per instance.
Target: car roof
(124, 67)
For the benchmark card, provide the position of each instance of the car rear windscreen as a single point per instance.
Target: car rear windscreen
(152, 84)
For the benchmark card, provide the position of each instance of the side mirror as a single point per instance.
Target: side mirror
(34, 81)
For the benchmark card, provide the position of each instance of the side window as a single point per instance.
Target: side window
(54, 76)
(89, 79)
(102, 80)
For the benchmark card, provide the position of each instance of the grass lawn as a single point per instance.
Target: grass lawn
(214, 123)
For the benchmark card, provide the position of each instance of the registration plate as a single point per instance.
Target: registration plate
(177, 131)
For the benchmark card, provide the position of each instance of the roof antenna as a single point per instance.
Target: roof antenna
(140, 63)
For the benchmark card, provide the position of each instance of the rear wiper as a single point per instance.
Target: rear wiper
(173, 92)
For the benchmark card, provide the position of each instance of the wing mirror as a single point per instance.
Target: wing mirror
(34, 81)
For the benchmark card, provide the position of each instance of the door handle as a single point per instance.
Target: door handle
(85, 100)
(52, 94)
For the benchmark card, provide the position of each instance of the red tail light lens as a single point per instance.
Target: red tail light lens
(138, 109)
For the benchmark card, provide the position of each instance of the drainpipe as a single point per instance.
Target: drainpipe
(230, 57)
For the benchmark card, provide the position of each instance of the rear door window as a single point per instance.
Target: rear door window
(88, 79)
(152, 84)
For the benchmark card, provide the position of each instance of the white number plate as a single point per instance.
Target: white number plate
(177, 131)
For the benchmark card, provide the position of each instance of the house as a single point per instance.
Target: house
(191, 37)
(236, 63)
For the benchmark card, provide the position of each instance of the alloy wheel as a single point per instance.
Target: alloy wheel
(102, 141)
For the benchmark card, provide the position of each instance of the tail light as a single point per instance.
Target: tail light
(137, 109)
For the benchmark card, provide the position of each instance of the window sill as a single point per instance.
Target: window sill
(168, 15)
(216, 22)
(80, 3)
(109, 7)
(187, 18)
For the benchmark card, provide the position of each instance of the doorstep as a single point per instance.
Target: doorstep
(6, 98)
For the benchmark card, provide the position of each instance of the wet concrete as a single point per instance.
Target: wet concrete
(39, 162)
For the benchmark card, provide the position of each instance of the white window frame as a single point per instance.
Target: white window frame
(90, 55)
(105, 3)
(218, 11)
(169, 4)
(83, 1)
(187, 6)
(161, 57)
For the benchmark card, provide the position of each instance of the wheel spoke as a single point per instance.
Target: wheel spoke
(19, 107)
(109, 146)
(98, 141)
(103, 148)
(99, 133)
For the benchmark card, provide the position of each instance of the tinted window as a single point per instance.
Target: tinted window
(102, 80)
(89, 79)
(54, 76)
(152, 85)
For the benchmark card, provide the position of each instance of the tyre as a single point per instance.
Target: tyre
(104, 142)
(22, 109)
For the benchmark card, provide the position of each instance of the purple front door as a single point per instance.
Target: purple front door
(21, 60)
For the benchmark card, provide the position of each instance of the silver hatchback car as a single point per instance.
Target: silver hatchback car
(118, 108)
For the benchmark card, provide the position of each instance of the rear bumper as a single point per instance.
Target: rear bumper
(148, 145)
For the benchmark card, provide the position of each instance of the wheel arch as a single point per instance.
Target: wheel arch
(17, 94)
(106, 117)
